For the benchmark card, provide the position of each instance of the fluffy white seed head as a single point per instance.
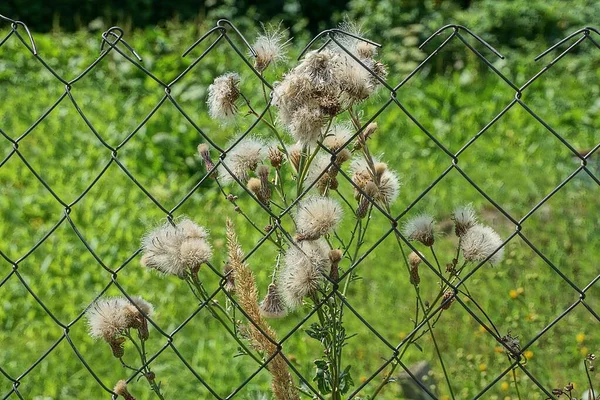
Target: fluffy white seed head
(355, 81)
(222, 95)
(110, 317)
(464, 219)
(420, 228)
(386, 180)
(320, 163)
(176, 250)
(479, 242)
(243, 158)
(304, 266)
(270, 47)
(306, 124)
(293, 91)
(320, 68)
(337, 137)
(107, 318)
(317, 216)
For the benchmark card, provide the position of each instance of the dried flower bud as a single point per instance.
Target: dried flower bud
(272, 305)
(204, 152)
(254, 185)
(229, 278)
(365, 135)
(414, 260)
(335, 256)
(265, 190)
(447, 299)
(330, 104)
(275, 157)
(380, 168)
(121, 390)
(295, 154)
(116, 345)
(343, 156)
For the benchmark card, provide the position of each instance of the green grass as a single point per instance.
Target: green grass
(517, 162)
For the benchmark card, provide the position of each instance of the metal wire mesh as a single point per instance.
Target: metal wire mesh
(113, 42)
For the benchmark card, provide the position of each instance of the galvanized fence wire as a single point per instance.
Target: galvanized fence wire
(112, 41)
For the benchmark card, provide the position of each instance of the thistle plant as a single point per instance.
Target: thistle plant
(315, 175)
(118, 320)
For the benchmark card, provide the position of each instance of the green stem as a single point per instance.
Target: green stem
(202, 296)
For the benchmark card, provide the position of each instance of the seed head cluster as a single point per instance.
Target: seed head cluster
(387, 183)
(176, 249)
(242, 159)
(109, 318)
(324, 84)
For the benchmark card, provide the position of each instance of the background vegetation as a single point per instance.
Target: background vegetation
(517, 162)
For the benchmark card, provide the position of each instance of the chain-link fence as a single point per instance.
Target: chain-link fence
(114, 44)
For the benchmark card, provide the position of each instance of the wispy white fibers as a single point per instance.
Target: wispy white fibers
(305, 264)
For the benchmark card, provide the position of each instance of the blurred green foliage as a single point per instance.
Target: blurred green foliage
(517, 162)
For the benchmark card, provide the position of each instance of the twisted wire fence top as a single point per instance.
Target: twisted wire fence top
(114, 272)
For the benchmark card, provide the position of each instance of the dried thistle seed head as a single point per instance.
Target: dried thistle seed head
(270, 47)
(254, 185)
(335, 256)
(272, 305)
(121, 390)
(337, 137)
(295, 90)
(447, 299)
(480, 242)
(320, 68)
(306, 124)
(176, 250)
(330, 104)
(389, 187)
(380, 70)
(420, 228)
(380, 168)
(263, 172)
(354, 80)
(107, 319)
(244, 157)
(319, 165)
(222, 95)
(464, 219)
(365, 50)
(317, 216)
(343, 156)
(295, 154)
(116, 346)
(194, 252)
(305, 265)
(275, 157)
(229, 278)
(414, 259)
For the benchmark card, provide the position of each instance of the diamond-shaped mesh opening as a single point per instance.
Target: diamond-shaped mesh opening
(47, 268)
(24, 319)
(64, 135)
(29, 208)
(20, 71)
